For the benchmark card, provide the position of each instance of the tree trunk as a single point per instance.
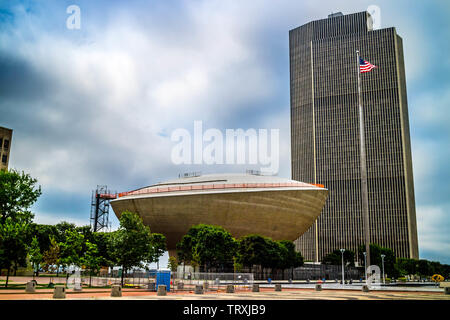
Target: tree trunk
(7, 278)
(121, 280)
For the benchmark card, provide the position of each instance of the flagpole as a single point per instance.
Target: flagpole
(364, 190)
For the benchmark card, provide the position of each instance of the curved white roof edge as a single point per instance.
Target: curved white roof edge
(225, 178)
(212, 191)
(218, 183)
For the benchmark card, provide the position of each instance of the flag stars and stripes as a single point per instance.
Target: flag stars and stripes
(365, 66)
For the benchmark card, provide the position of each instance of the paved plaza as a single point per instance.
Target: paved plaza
(264, 294)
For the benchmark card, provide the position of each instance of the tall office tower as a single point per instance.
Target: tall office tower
(5, 147)
(325, 134)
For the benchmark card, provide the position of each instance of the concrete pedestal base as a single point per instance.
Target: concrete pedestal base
(31, 287)
(198, 289)
(59, 292)
(162, 290)
(116, 291)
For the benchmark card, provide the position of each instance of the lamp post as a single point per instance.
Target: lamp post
(365, 270)
(342, 254)
(382, 262)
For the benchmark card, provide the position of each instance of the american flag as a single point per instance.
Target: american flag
(365, 66)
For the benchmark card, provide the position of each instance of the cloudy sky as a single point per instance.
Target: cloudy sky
(97, 105)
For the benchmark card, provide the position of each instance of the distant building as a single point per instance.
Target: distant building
(5, 147)
(325, 134)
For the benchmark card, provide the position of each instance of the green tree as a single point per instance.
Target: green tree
(406, 267)
(91, 259)
(274, 256)
(335, 258)
(212, 246)
(13, 244)
(62, 228)
(131, 244)
(36, 255)
(184, 248)
(102, 241)
(423, 267)
(51, 256)
(18, 192)
(71, 248)
(43, 233)
(173, 264)
(375, 258)
(290, 257)
(252, 250)
(159, 247)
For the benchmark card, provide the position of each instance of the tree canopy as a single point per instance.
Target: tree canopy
(258, 250)
(335, 258)
(13, 244)
(375, 258)
(131, 245)
(208, 245)
(18, 192)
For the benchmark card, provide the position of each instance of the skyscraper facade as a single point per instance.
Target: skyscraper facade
(325, 134)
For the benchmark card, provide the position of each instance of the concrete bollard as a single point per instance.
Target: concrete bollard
(151, 286)
(447, 290)
(365, 288)
(230, 288)
(116, 291)
(31, 287)
(59, 292)
(255, 287)
(318, 287)
(205, 285)
(198, 289)
(77, 287)
(180, 285)
(278, 287)
(162, 290)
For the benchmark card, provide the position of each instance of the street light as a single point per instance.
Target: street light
(365, 270)
(342, 254)
(382, 262)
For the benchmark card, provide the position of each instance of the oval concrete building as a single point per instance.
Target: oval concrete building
(241, 203)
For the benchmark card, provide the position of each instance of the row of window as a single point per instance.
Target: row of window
(4, 143)
(4, 158)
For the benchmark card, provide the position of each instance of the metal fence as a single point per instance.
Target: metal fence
(307, 272)
(218, 281)
(209, 281)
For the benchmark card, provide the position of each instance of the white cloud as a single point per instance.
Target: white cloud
(112, 90)
(433, 226)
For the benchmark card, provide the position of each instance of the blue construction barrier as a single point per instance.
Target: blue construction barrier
(163, 277)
